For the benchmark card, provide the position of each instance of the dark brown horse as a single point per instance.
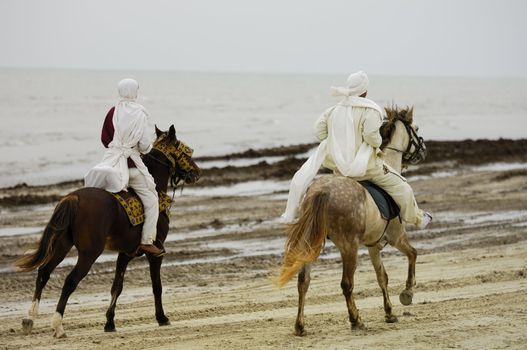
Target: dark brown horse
(92, 220)
(340, 208)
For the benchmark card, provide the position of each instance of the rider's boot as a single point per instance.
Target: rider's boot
(152, 249)
(427, 218)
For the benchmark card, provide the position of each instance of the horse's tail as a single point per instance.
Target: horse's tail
(305, 238)
(58, 226)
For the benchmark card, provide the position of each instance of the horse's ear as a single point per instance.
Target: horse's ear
(158, 132)
(410, 114)
(390, 112)
(172, 133)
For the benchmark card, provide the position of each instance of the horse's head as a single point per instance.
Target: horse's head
(178, 155)
(400, 134)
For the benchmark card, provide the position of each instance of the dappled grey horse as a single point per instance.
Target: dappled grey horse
(340, 208)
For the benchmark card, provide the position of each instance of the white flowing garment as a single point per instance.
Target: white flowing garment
(341, 141)
(133, 135)
(340, 144)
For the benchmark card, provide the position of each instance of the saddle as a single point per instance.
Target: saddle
(133, 206)
(387, 206)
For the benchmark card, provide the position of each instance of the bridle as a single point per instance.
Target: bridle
(176, 157)
(419, 152)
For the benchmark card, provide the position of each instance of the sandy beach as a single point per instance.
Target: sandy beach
(225, 245)
(247, 87)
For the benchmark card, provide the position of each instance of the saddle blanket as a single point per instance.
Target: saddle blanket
(133, 206)
(387, 206)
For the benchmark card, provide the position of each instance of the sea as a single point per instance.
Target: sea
(50, 119)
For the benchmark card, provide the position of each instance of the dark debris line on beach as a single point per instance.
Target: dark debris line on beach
(477, 152)
(466, 152)
(290, 151)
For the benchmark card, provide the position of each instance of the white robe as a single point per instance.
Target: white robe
(340, 146)
(133, 135)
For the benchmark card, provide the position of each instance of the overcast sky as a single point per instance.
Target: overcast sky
(410, 37)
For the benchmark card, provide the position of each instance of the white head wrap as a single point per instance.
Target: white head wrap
(128, 89)
(356, 85)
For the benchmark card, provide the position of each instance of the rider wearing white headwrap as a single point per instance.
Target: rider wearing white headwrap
(351, 118)
(349, 144)
(133, 135)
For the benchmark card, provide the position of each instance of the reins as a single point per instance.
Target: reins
(159, 160)
(415, 141)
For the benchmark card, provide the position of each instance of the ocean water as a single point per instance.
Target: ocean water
(51, 119)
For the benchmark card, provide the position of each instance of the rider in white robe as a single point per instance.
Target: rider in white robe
(350, 141)
(134, 135)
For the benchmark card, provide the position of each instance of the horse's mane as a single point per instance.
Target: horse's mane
(394, 114)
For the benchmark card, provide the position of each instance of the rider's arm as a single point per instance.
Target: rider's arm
(148, 138)
(321, 126)
(370, 128)
(107, 128)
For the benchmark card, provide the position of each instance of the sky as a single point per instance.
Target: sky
(472, 38)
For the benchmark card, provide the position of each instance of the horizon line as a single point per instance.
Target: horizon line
(262, 72)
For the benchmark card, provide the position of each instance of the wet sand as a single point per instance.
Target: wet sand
(224, 246)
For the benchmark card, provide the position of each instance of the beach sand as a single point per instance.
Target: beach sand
(224, 248)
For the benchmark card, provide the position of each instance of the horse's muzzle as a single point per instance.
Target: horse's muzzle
(193, 176)
(418, 155)
(422, 152)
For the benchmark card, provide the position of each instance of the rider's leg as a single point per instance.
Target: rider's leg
(148, 196)
(395, 184)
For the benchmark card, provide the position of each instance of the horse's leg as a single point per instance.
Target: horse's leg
(61, 248)
(157, 288)
(304, 277)
(349, 260)
(404, 246)
(117, 287)
(84, 263)
(382, 279)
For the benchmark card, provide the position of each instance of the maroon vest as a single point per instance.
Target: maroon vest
(108, 131)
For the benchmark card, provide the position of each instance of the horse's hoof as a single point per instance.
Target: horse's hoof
(357, 325)
(300, 331)
(27, 325)
(391, 319)
(109, 328)
(162, 320)
(56, 325)
(406, 297)
(59, 333)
